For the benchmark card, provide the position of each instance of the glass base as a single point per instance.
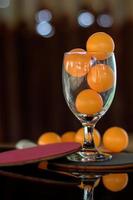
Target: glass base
(88, 156)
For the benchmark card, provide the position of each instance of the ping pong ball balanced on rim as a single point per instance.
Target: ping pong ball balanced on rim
(94, 72)
(100, 45)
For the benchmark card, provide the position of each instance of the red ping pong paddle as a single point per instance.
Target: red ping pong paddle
(38, 153)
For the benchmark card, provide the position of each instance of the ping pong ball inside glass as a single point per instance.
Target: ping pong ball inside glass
(89, 86)
(100, 78)
(76, 64)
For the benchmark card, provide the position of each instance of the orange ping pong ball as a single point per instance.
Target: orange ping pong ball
(89, 102)
(115, 182)
(115, 139)
(76, 62)
(77, 50)
(48, 138)
(79, 136)
(43, 165)
(68, 136)
(100, 78)
(101, 44)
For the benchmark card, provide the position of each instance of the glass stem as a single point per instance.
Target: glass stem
(88, 138)
(88, 193)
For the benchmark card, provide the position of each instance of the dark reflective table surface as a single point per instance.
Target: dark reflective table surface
(40, 182)
(30, 181)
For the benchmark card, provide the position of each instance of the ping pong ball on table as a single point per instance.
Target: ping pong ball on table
(100, 44)
(88, 102)
(100, 78)
(68, 136)
(79, 136)
(115, 139)
(48, 138)
(76, 62)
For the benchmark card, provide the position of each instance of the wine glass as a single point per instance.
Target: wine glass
(89, 83)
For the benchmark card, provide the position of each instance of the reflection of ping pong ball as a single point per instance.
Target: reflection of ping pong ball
(115, 182)
(100, 42)
(100, 78)
(76, 63)
(48, 138)
(43, 165)
(89, 102)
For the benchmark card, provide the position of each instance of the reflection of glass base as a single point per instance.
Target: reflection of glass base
(88, 156)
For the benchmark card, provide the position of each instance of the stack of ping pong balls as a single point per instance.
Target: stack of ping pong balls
(99, 78)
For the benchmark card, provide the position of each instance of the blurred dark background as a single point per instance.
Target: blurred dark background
(33, 38)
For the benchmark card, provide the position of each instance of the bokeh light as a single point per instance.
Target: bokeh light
(105, 20)
(43, 15)
(85, 19)
(4, 3)
(45, 29)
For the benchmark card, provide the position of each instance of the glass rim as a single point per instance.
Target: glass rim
(88, 52)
